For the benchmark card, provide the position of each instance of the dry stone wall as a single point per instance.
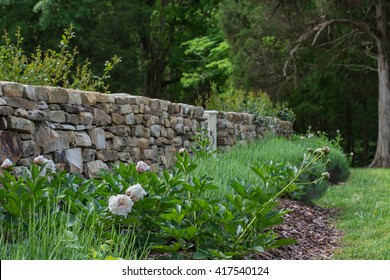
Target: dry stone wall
(233, 128)
(84, 132)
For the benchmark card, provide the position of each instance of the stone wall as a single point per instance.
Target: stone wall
(83, 132)
(233, 128)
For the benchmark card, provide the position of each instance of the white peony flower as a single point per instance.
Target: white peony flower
(120, 204)
(183, 151)
(7, 164)
(142, 167)
(136, 192)
(39, 160)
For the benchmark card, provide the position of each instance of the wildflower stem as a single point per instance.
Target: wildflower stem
(301, 170)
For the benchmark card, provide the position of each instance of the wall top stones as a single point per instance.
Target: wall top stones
(83, 132)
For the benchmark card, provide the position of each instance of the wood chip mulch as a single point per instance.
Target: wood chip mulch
(311, 227)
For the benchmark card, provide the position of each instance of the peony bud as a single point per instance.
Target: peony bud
(39, 160)
(136, 192)
(326, 150)
(142, 167)
(120, 204)
(183, 151)
(7, 164)
(325, 175)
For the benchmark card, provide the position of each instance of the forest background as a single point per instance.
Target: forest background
(226, 55)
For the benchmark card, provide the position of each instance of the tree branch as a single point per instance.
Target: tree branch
(319, 28)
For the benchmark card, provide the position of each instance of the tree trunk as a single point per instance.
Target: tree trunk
(382, 155)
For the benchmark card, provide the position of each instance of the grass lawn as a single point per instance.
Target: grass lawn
(364, 217)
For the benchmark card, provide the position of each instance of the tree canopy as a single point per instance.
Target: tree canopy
(328, 60)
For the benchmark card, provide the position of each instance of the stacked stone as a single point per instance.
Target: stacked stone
(85, 131)
(233, 128)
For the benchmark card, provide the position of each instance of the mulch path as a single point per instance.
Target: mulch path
(311, 227)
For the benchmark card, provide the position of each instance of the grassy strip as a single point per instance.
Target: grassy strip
(235, 163)
(58, 237)
(364, 214)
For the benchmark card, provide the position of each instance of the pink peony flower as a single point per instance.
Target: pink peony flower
(39, 160)
(7, 164)
(120, 204)
(142, 167)
(136, 192)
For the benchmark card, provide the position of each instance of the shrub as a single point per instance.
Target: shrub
(256, 103)
(51, 67)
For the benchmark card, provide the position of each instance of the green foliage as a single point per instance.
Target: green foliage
(273, 154)
(259, 104)
(212, 66)
(184, 222)
(203, 142)
(50, 67)
(178, 216)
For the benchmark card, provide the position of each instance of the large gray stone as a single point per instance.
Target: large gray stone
(74, 97)
(74, 159)
(57, 95)
(86, 118)
(56, 116)
(29, 148)
(29, 93)
(89, 155)
(155, 131)
(98, 137)
(143, 143)
(11, 146)
(72, 108)
(119, 143)
(93, 168)
(6, 111)
(88, 98)
(12, 90)
(47, 139)
(117, 118)
(129, 118)
(83, 139)
(20, 103)
(37, 115)
(107, 155)
(101, 117)
(20, 125)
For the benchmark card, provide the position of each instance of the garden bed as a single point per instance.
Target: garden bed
(311, 227)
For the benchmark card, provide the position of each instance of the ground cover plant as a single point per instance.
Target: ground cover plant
(274, 155)
(170, 214)
(363, 214)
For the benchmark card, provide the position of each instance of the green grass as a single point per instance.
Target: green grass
(364, 214)
(237, 162)
(59, 237)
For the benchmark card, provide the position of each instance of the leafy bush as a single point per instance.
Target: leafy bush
(170, 212)
(272, 153)
(258, 104)
(51, 67)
